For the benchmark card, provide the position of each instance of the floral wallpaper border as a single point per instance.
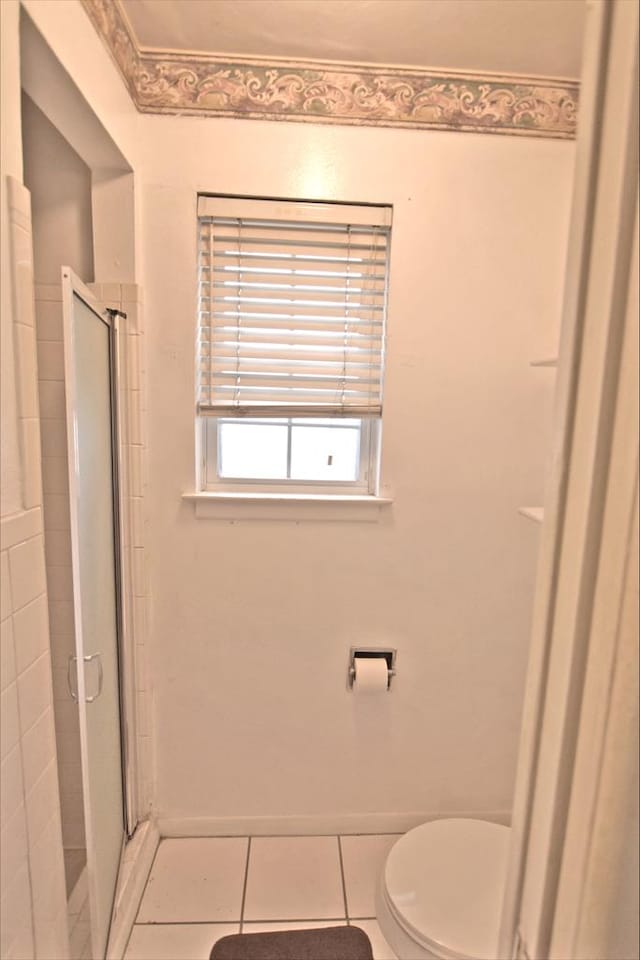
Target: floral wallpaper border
(316, 92)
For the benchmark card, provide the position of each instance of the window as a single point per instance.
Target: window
(292, 320)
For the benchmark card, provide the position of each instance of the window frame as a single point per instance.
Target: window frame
(365, 484)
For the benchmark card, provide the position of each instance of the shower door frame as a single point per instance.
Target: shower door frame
(73, 287)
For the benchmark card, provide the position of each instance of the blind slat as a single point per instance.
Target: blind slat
(291, 312)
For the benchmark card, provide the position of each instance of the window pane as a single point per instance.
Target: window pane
(333, 422)
(255, 451)
(324, 453)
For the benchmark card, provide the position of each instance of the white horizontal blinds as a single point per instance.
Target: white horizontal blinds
(292, 308)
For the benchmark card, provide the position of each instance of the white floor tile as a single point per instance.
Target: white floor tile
(195, 880)
(176, 941)
(363, 860)
(379, 946)
(294, 878)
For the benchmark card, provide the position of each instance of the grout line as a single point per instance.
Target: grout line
(249, 923)
(344, 886)
(261, 836)
(146, 884)
(244, 886)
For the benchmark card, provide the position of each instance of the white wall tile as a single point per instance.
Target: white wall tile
(9, 720)
(52, 400)
(131, 294)
(41, 801)
(53, 434)
(27, 383)
(27, 574)
(50, 360)
(15, 915)
(55, 475)
(142, 714)
(111, 292)
(71, 779)
(56, 512)
(20, 526)
(67, 731)
(47, 880)
(6, 607)
(61, 622)
(11, 784)
(140, 584)
(13, 842)
(140, 619)
(7, 654)
(57, 548)
(141, 669)
(34, 691)
(48, 292)
(133, 361)
(136, 519)
(49, 320)
(60, 583)
(32, 475)
(73, 832)
(38, 749)
(135, 433)
(62, 647)
(31, 632)
(136, 475)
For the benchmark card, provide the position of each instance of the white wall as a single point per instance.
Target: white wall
(60, 186)
(32, 891)
(253, 621)
(11, 165)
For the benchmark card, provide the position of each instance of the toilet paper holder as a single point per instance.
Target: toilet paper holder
(372, 653)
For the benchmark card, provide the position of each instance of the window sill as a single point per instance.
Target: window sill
(287, 506)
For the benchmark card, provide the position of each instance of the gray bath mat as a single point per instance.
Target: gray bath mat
(327, 943)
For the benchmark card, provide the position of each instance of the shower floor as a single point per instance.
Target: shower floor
(201, 889)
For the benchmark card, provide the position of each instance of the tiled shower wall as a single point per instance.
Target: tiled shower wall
(58, 554)
(32, 891)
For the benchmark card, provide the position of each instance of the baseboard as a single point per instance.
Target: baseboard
(137, 860)
(314, 824)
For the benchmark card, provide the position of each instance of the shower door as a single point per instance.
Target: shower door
(90, 370)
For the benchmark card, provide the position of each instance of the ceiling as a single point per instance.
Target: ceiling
(534, 37)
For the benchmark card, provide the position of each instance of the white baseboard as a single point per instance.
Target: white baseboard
(314, 824)
(137, 860)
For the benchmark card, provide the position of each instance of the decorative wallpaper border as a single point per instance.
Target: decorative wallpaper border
(318, 92)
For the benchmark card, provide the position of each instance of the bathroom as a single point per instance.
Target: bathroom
(244, 745)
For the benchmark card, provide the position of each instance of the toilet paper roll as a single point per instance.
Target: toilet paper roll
(371, 675)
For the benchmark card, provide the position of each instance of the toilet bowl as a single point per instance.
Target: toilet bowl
(440, 893)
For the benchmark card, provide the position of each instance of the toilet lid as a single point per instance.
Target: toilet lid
(445, 882)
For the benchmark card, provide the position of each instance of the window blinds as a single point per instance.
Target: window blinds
(292, 303)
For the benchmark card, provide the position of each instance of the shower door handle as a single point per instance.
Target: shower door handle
(72, 660)
(74, 694)
(98, 658)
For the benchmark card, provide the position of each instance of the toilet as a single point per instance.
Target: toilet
(441, 890)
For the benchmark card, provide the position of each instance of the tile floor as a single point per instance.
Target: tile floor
(79, 920)
(202, 889)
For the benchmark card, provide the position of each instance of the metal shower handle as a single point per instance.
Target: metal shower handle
(87, 659)
(70, 661)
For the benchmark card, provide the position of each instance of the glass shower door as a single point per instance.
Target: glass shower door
(89, 370)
